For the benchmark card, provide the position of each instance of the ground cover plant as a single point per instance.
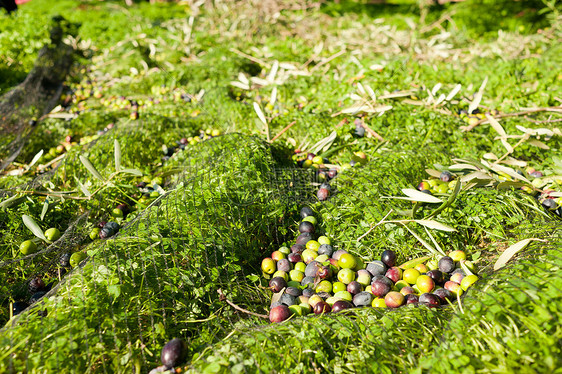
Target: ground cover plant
(182, 147)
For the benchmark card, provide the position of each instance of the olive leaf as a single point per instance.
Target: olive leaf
(132, 171)
(117, 154)
(512, 250)
(35, 158)
(420, 196)
(33, 226)
(477, 97)
(449, 201)
(435, 225)
(83, 188)
(324, 144)
(11, 201)
(453, 92)
(90, 167)
(45, 208)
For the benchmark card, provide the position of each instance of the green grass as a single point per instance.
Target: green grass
(232, 200)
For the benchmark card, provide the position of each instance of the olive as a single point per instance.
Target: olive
(304, 238)
(52, 234)
(411, 298)
(173, 353)
(354, 287)
(297, 248)
(377, 268)
(306, 226)
(109, 229)
(18, 307)
(389, 258)
(323, 194)
(308, 292)
(64, 259)
(312, 269)
(325, 249)
(363, 299)
(287, 299)
(276, 284)
(36, 296)
(430, 300)
(322, 307)
(549, 204)
(36, 284)
(293, 291)
(446, 176)
(28, 247)
(341, 305)
(437, 276)
(444, 294)
(446, 264)
(279, 313)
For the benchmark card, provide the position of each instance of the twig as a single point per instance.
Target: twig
(325, 61)
(249, 57)
(546, 121)
(556, 109)
(372, 132)
(223, 297)
(373, 227)
(283, 131)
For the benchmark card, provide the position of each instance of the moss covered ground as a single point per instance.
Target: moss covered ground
(147, 75)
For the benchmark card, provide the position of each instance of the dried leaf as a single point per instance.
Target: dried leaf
(240, 85)
(423, 197)
(242, 78)
(273, 72)
(435, 89)
(324, 144)
(511, 251)
(260, 113)
(496, 125)
(440, 99)
(90, 167)
(33, 226)
(490, 156)
(538, 143)
(371, 93)
(477, 97)
(453, 92)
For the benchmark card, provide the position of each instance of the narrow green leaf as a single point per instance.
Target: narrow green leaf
(90, 167)
(512, 251)
(33, 226)
(424, 243)
(449, 201)
(117, 154)
(437, 246)
(12, 201)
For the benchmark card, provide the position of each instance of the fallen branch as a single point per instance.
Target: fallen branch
(223, 298)
(283, 131)
(556, 109)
